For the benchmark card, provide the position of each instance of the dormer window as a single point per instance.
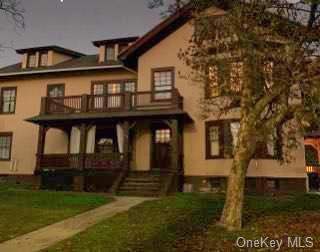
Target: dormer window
(32, 60)
(110, 53)
(46, 56)
(43, 59)
(110, 49)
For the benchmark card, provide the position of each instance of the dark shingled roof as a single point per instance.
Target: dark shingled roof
(82, 62)
(55, 48)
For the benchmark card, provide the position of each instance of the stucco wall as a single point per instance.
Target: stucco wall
(165, 54)
(29, 93)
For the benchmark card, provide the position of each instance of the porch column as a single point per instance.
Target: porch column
(78, 180)
(175, 144)
(125, 127)
(41, 144)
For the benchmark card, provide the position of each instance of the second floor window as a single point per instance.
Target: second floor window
(5, 146)
(229, 76)
(163, 81)
(56, 90)
(32, 60)
(110, 53)
(43, 59)
(8, 100)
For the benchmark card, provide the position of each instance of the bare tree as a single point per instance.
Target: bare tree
(13, 9)
(260, 59)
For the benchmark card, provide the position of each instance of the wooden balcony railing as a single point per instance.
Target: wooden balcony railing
(112, 102)
(77, 161)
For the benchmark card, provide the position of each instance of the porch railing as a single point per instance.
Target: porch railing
(112, 102)
(104, 161)
(77, 161)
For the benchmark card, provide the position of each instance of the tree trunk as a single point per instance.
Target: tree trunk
(232, 212)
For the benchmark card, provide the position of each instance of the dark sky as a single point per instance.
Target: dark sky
(74, 24)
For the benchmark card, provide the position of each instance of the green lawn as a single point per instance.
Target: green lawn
(186, 222)
(24, 210)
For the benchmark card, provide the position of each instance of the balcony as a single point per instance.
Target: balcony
(125, 102)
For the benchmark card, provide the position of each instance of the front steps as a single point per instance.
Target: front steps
(141, 184)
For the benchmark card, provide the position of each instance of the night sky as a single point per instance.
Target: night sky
(74, 24)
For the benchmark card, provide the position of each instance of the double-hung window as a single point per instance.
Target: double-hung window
(163, 82)
(213, 138)
(5, 146)
(8, 100)
(221, 138)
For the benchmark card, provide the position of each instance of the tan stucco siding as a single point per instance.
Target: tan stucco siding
(25, 135)
(142, 147)
(165, 54)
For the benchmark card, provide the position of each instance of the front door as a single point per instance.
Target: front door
(161, 157)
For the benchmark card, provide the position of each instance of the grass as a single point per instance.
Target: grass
(23, 210)
(186, 222)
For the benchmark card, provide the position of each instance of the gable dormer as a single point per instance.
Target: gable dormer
(46, 56)
(110, 49)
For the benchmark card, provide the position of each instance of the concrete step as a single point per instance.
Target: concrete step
(134, 183)
(149, 178)
(139, 188)
(138, 193)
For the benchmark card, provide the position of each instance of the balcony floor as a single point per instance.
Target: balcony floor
(110, 115)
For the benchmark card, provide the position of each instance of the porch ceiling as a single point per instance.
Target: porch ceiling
(110, 116)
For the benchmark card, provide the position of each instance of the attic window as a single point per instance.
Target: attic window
(43, 59)
(32, 60)
(110, 53)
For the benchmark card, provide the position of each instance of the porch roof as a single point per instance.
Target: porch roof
(110, 116)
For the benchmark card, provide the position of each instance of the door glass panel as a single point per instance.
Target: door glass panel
(163, 136)
(114, 100)
(161, 149)
(98, 91)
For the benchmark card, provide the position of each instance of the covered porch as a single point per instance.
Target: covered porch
(112, 150)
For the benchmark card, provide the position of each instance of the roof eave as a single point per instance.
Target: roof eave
(115, 40)
(27, 73)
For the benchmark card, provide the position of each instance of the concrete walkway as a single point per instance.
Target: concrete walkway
(48, 236)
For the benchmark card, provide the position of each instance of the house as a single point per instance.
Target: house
(124, 120)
